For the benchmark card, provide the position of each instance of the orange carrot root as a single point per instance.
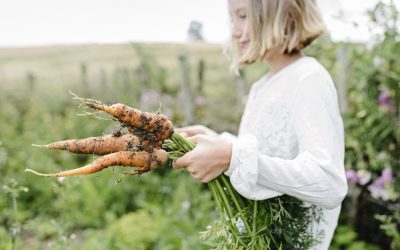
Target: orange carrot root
(142, 160)
(100, 145)
(157, 124)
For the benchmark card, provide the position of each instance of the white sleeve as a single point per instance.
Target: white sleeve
(316, 175)
(228, 136)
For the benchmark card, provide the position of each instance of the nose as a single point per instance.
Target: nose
(237, 30)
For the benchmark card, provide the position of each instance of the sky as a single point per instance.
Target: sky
(25, 23)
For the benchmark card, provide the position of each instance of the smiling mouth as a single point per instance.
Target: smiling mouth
(243, 44)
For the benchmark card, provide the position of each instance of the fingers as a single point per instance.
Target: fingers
(207, 179)
(197, 138)
(196, 161)
(184, 134)
(187, 162)
(197, 174)
(189, 157)
(196, 130)
(183, 161)
(204, 179)
(187, 131)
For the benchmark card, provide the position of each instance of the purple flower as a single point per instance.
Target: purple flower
(382, 187)
(379, 193)
(351, 176)
(387, 176)
(385, 101)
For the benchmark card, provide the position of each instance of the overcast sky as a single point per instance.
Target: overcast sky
(47, 22)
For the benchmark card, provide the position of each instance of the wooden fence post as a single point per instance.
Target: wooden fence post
(186, 93)
(342, 62)
(103, 80)
(200, 77)
(84, 79)
(31, 79)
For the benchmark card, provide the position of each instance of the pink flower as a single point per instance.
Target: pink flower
(378, 192)
(387, 176)
(385, 101)
(382, 187)
(351, 176)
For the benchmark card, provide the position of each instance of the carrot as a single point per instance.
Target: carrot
(142, 160)
(100, 145)
(157, 124)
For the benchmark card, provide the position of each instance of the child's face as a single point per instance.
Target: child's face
(237, 13)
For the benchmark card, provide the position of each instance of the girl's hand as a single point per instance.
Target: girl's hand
(190, 131)
(210, 157)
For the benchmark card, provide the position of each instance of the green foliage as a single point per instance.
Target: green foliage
(137, 229)
(5, 239)
(390, 225)
(278, 223)
(372, 126)
(373, 137)
(346, 238)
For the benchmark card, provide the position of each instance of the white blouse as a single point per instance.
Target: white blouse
(291, 141)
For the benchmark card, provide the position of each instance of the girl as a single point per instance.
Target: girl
(291, 138)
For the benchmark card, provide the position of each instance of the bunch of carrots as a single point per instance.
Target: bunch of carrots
(150, 142)
(140, 147)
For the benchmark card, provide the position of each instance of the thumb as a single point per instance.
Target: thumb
(183, 161)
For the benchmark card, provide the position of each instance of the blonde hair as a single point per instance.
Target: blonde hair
(289, 25)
